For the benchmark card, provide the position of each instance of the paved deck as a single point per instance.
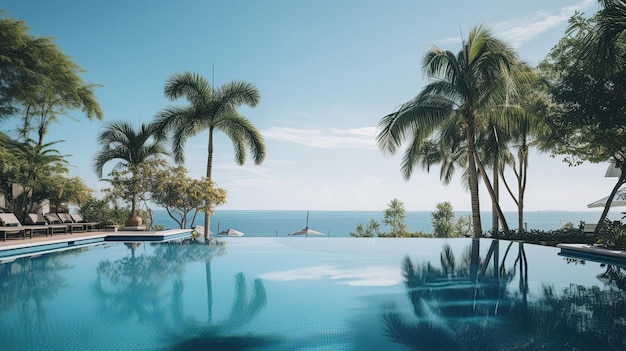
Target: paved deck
(15, 247)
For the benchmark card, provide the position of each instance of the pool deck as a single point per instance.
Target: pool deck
(17, 247)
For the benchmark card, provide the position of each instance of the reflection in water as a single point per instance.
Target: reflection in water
(452, 311)
(26, 283)
(26, 286)
(134, 288)
(226, 335)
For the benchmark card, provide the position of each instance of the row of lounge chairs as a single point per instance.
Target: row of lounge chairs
(48, 224)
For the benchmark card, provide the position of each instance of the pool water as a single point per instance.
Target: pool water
(312, 294)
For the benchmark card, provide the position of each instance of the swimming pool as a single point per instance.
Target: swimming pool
(311, 294)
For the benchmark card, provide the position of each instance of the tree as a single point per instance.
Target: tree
(372, 229)
(101, 211)
(463, 86)
(526, 108)
(133, 148)
(443, 220)
(61, 190)
(394, 217)
(588, 117)
(180, 195)
(38, 81)
(27, 169)
(213, 109)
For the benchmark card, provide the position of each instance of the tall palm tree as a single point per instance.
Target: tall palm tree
(121, 141)
(213, 109)
(463, 85)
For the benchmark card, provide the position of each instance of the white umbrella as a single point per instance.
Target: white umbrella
(230, 232)
(618, 200)
(306, 231)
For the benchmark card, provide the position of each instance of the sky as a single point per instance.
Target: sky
(327, 71)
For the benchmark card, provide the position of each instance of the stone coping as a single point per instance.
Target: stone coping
(69, 239)
(593, 249)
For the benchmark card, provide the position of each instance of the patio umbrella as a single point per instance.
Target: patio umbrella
(230, 232)
(618, 200)
(306, 231)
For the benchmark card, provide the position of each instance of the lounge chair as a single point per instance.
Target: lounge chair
(53, 218)
(77, 218)
(67, 220)
(9, 224)
(37, 219)
(6, 227)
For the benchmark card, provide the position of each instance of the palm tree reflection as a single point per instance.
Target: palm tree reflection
(134, 287)
(452, 311)
(27, 282)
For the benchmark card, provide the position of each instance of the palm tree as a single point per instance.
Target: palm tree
(213, 109)
(603, 52)
(463, 86)
(34, 164)
(120, 141)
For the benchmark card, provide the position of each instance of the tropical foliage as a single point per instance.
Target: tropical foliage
(182, 196)
(33, 174)
(38, 82)
(446, 225)
(212, 109)
(587, 78)
(394, 217)
(454, 108)
(137, 153)
(103, 211)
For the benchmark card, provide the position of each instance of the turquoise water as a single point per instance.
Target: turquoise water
(296, 293)
(341, 223)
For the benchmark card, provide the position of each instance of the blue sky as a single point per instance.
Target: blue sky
(327, 70)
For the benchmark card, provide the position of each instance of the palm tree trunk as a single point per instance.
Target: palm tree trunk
(209, 289)
(473, 182)
(521, 186)
(521, 183)
(496, 189)
(505, 225)
(209, 169)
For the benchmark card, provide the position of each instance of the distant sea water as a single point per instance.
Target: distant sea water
(265, 223)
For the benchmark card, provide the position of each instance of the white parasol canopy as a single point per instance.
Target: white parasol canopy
(306, 231)
(230, 232)
(618, 200)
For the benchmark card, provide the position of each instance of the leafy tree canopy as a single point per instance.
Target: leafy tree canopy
(588, 119)
(182, 196)
(38, 82)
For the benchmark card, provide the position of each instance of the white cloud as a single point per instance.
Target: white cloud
(379, 275)
(519, 31)
(354, 138)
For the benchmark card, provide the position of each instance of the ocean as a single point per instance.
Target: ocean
(265, 223)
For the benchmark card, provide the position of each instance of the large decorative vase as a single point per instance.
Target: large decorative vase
(133, 221)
